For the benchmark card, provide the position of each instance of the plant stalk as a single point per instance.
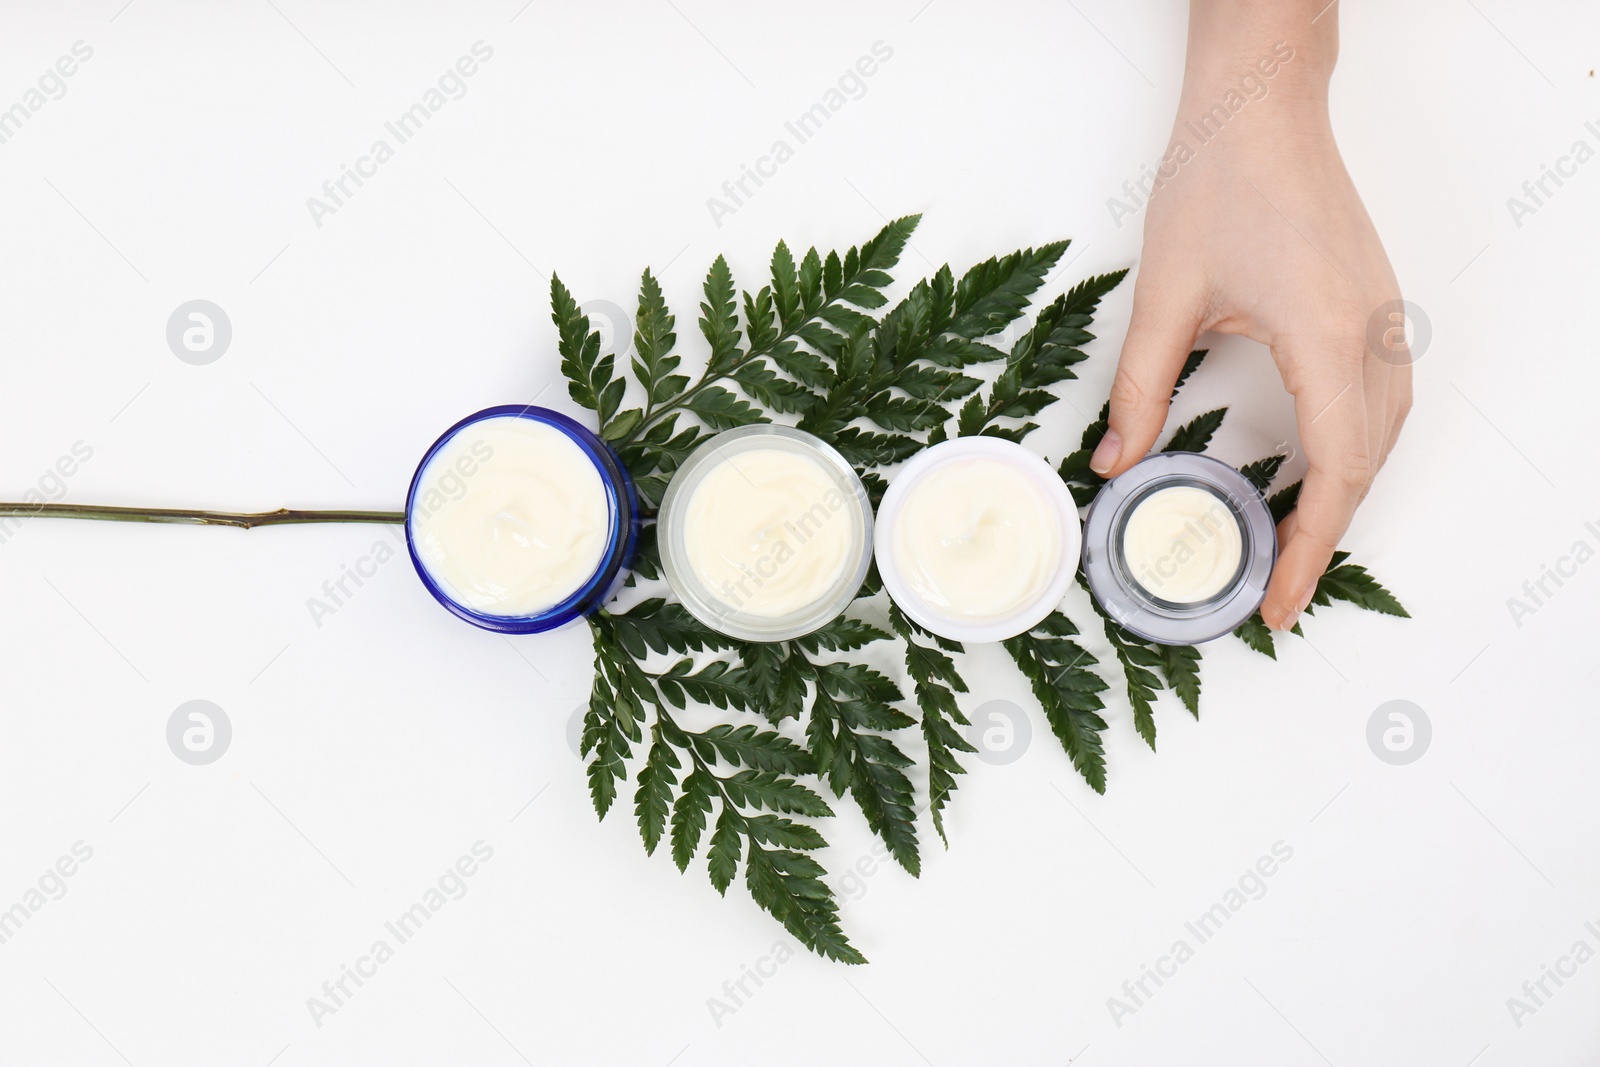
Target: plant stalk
(240, 519)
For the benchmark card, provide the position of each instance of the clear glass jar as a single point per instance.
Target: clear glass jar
(726, 606)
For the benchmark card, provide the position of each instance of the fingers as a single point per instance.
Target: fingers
(1328, 502)
(1339, 432)
(1166, 320)
(1399, 407)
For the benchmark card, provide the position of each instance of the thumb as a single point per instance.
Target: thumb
(1160, 336)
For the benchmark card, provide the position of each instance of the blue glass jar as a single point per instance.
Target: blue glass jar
(621, 539)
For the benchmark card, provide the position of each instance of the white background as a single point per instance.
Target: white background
(372, 751)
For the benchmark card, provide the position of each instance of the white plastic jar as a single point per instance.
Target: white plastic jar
(977, 539)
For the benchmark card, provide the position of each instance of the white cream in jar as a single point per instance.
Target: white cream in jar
(1182, 544)
(977, 539)
(765, 533)
(510, 517)
(764, 530)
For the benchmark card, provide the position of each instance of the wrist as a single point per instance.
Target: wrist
(1289, 46)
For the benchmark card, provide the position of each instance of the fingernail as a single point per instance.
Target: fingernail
(1300, 605)
(1305, 597)
(1106, 453)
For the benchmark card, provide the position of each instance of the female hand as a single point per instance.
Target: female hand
(1256, 229)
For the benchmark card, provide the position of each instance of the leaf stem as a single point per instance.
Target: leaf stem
(246, 520)
(663, 716)
(706, 379)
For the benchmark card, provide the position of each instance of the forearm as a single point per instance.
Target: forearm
(1272, 58)
(1292, 44)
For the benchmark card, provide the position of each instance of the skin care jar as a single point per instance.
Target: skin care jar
(977, 539)
(1178, 548)
(765, 533)
(519, 520)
